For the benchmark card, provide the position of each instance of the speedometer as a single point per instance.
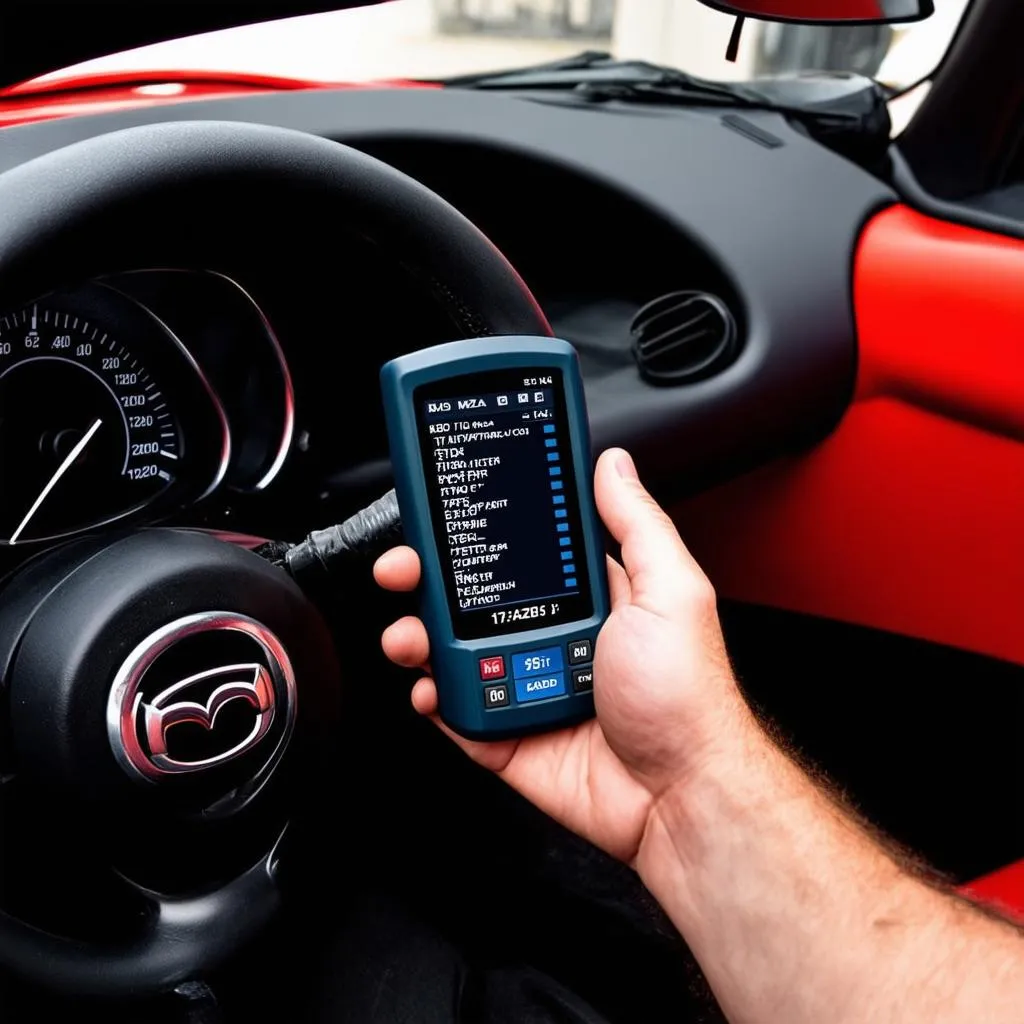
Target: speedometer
(87, 433)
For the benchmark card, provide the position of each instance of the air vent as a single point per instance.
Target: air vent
(683, 337)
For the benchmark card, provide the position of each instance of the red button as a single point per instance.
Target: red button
(492, 668)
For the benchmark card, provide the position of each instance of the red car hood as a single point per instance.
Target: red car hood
(105, 91)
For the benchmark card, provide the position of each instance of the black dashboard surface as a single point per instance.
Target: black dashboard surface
(579, 200)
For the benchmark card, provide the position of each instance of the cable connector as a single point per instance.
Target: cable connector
(361, 537)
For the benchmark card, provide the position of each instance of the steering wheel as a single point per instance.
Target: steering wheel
(111, 644)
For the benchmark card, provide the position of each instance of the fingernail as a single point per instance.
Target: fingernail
(624, 464)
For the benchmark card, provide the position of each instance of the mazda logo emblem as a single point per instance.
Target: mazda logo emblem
(165, 712)
(227, 710)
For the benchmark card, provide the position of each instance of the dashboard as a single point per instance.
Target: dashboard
(237, 389)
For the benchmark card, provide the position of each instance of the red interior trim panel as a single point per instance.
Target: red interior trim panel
(1003, 890)
(940, 319)
(910, 517)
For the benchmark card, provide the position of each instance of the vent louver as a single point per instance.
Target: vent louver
(683, 337)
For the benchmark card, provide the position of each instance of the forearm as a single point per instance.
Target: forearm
(796, 914)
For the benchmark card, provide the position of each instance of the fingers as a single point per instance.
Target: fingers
(424, 696)
(398, 569)
(661, 572)
(495, 756)
(405, 642)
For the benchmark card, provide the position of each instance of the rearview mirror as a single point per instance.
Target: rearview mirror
(827, 12)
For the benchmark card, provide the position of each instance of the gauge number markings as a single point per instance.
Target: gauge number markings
(148, 428)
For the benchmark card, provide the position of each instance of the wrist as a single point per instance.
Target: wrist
(717, 841)
(734, 779)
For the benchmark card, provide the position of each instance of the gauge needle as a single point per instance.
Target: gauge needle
(61, 470)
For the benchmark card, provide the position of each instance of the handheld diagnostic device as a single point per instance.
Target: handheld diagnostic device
(491, 453)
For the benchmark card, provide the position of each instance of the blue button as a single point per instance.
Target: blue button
(550, 442)
(540, 687)
(565, 541)
(569, 570)
(549, 428)
(566, 556)
(562, 527)
(571, 582)
(535, 663)
(560, 513)
(557, 485)
(554, 457)
(558, 499)
(554, 470)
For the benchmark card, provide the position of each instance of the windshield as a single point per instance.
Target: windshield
(442, 38)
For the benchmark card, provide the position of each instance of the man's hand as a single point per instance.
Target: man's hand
(666, 698)
(793, 910)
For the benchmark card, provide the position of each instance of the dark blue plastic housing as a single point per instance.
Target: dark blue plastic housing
(491, 453)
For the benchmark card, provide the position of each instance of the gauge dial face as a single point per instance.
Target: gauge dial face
(86, 434)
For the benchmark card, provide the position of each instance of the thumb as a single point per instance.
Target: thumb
(663, 575)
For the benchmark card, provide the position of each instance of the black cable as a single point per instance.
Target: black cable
(359, 538)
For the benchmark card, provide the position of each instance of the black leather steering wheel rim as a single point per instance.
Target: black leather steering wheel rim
(104, 205)
(75, 212)
(181, 933)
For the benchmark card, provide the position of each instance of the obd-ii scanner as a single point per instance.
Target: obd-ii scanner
(491, 453)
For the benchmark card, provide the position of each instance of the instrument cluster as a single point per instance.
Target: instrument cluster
(134, 396)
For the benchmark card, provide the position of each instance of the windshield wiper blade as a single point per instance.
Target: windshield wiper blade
(606, 81)
(496, 79)
(682, 91)
(597, 76)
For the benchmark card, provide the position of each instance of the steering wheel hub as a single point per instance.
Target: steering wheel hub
(153, 685)
(212, 693)
(111, 699)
